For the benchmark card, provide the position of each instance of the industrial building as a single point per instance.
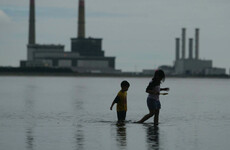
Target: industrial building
(86, 54)
(192, 65)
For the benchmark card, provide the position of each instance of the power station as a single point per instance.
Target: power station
(86, 54)
(192, 65)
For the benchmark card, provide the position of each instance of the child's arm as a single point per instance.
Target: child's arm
(164, 89)
(163, 93)
(158, 93)
(115, 101)
(111, 107)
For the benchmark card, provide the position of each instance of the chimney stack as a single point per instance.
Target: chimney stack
(183, 42)
(177, 48)
(81, 19)
(32, 23)
(197, 43)
(190, 48)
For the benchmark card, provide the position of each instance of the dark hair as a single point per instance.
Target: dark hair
(125, 83)
(159, 73)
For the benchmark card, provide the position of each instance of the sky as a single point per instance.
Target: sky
(139, 33)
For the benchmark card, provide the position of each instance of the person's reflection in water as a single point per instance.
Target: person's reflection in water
(152, 134)
(29, 139)
(121, 135)
(79, 136)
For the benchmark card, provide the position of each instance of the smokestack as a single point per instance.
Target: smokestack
(177, 48)
(32, 23)
(183, 42)
(190, 48)
(81, 19)
(197, 43)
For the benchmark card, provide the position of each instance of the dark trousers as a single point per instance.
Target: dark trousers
(121, 115)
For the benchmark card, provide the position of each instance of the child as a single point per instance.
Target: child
(121, 100)
(153, 101)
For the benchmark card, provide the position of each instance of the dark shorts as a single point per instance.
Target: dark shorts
(121, 115)
(153, 104)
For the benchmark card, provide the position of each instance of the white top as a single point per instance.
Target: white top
(155, 96)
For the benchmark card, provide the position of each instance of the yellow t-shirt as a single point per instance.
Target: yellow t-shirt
(121, 100)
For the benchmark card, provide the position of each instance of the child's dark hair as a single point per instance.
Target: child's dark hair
(125, 83)
(159, 73)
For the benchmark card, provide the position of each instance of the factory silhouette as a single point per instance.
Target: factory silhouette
(86, 53)
(192, 65)
(87, 56)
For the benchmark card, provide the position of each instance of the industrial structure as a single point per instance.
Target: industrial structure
(86, 54)
(192, 65)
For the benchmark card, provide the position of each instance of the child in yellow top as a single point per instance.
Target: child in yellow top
(121, 100)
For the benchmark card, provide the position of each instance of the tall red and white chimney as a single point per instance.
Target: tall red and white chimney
(32, 23)
(81, 19)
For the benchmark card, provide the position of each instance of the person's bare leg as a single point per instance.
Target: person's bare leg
(146, 117)
(156, 117)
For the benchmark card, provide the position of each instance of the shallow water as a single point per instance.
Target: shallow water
(72, 113)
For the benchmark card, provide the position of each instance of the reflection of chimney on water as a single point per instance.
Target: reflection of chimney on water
(81, 19)
(32, 23)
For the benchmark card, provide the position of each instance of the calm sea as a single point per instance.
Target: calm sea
(72, 113)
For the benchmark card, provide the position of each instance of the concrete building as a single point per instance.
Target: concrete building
(192, 65)
(214, 71)
(86, 54)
